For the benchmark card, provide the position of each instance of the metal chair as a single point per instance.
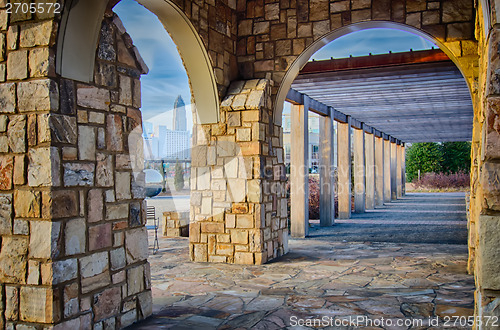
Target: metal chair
(151, 215)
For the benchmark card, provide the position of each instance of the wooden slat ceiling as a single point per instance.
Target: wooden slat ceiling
(415, 97)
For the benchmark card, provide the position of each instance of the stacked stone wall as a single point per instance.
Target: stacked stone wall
(238, 196)
(484, 224)
(73, 240)
(272, 34)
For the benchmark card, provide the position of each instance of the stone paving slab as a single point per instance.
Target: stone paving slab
(323, 278)
(316, 279)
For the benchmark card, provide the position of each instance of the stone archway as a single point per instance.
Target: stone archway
(303, 58)
(80, 26)
(41, 120)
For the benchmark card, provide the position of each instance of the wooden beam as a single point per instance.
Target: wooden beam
(294, 97)
(318, 107)
(408, 58)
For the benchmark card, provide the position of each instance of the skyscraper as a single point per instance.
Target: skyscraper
(180, 123)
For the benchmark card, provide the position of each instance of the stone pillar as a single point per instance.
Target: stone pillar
(238, 195)
(370, 171)
(379, 171)
(344, 168)
(394, 183)
(299, 172)
(359, 170)
(326, 172)
(387, 170)
(399, 173)
(74, 242)
(484, 211)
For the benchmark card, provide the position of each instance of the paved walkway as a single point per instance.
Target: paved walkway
(322, 282)
(415, 218)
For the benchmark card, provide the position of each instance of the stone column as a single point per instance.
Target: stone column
(72, 221)
(387, 170)
(326, 172)
(344, 168)
(359, 170)
(370, 171)
(394, 182)
(399, 180)
(238, 195)
(484, 218)
(379, 171)
(299, 174)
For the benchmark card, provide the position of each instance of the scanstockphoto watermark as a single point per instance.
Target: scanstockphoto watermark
(362, 321)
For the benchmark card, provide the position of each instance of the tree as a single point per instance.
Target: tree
(456, 157)
(447, 157)
(179, 176)
(426, 157)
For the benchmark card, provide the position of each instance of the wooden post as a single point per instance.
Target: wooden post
(299, 174)
(326, 172)
(387, 170)
(394, 163)
(344, 168)
(379, 171)
(359, 171)
(399, 173)
(403, 167)
(370, 171)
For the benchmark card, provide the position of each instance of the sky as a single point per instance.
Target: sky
(167, 77)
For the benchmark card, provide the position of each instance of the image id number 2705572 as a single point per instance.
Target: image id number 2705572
(40, 8)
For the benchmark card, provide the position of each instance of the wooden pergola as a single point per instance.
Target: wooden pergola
(387, 100)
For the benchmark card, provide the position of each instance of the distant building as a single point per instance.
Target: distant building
(180, 121)
(313, 148)
(163, 143)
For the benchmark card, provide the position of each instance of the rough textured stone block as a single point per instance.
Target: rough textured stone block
(38, 304)
(93, 97)
(244, 258)
(17, 65)
(74, 236)
(122, 185)
(43, 169)
(13, 259)
(104, 170)
(86, 142)
(36, 34)
(63, 271)
(6, 172)
(488, 252)
(78, 174)
(16, 133)
(106, 303)
(5, 214)
(94, 264)
(136, 245)
(44, 239)
(100, 237)
(26, 204)
(117, 211)
(11, 303)
(60, 204)
(114, 133)
(37, 95)
(135, 280)
(95, 204)
(41, 62)
(19, 177)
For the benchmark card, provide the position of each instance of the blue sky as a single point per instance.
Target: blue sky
(167, 78)
(375, 41)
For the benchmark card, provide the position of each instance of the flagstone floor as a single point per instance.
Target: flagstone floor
(336, 284)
